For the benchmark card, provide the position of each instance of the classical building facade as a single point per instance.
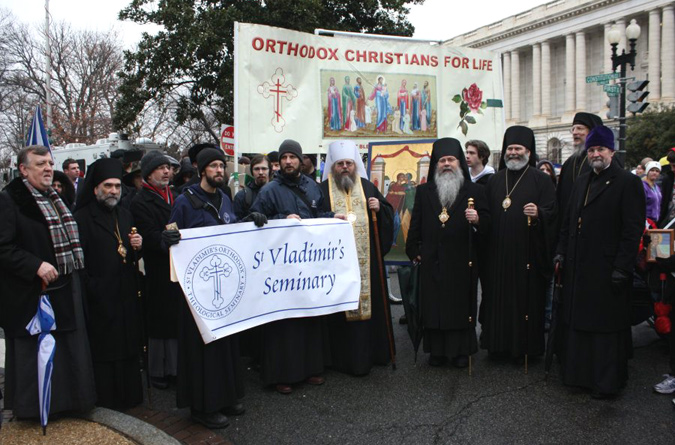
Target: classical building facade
(548, 51)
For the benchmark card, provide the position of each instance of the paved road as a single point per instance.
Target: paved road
(418, 404)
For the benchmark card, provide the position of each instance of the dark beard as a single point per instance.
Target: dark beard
(292, 176)
(448, 185)
(344, 183)
(213, 183)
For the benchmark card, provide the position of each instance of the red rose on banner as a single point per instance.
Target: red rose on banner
(473, 97)
(470, 101)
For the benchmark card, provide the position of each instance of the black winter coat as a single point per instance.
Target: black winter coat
(151, 215)
(24, 244)
(612, 222)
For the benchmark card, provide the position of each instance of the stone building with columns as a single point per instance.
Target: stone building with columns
(548, 51)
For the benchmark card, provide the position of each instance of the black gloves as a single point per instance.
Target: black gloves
(620, 280)
(559, 258)
(258, 219)
(169, 238)
(646, 240)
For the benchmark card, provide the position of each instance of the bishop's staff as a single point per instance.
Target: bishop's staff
(144, 333)
(387, 316)
(470, 207)
(527, 289)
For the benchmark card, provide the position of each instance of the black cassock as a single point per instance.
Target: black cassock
(449, 284)
(112, 310)
(511, 291)
(601, 232)
(358, 345)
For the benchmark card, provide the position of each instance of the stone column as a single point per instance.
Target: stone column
(667, 52)
(581, 71)
(507, 85)
(608, 51)
(655, 54)
(569, 74)
(515, 86)
(536, 79)
(546, 78)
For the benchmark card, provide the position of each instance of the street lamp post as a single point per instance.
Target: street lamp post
(621, 60)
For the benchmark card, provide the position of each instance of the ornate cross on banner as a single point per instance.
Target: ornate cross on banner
(217, 270)
(279, 90)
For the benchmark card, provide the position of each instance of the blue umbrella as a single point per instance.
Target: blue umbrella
(37, 134)
(43, 323)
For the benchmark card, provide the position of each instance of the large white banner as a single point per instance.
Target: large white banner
(316, 89)
(238, 276)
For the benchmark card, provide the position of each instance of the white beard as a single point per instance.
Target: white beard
(344, 183)
(448, 185)
(516, 164)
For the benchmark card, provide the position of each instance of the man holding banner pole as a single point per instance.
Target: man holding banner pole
(295, 349)
(210, 378)
(360, 338)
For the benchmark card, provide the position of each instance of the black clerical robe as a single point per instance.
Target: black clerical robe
(512, 291)
(449, 283)
(601, 233)
(113, 316)
(358, 345)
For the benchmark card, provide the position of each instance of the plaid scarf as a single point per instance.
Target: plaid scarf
(165, 193)
(62, 229)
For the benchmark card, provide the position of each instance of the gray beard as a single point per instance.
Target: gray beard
(515, 164)
(109, 201)
(599, 166)
(448, 185)
(344, 183)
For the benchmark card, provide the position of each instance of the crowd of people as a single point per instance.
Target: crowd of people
(96, 244)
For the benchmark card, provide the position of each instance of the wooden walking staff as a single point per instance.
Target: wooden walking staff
(470, 207)
(387, 317)
(144, 333)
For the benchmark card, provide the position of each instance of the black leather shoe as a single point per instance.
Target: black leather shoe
(159, 382)
(214, 421)
(403, 319)
(461, 361)
(235, 410)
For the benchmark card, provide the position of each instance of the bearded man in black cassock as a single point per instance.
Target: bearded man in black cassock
(443, 237)
(113, 318)
(360, 338)
(599, 242)
(522, 209)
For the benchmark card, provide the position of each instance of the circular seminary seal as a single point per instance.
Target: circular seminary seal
(214, 281)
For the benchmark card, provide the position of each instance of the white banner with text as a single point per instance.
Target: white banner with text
(238, 276)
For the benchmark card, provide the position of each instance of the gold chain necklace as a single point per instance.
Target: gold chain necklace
(506, 203)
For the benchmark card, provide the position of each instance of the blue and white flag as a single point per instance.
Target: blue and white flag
(37, 134)
(238, 276)
(43, 323)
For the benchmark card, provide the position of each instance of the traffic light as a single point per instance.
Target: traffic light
(637, 97)
(613, 105)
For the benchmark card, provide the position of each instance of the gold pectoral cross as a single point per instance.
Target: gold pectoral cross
(443, 217)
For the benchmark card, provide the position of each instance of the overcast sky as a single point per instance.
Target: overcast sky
(435, 20)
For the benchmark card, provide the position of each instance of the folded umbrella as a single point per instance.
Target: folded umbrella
(43, 323)
(409, 280)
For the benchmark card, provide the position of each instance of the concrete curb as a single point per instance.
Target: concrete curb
(136, 429)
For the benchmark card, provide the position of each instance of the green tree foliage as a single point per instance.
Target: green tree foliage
(650, 134)
(192, 56)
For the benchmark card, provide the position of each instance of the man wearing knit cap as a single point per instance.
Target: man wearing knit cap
(520, 248)
(151, 208)
(599, 240)
(273, 156)
(210, 377)
(449, 217)
(360, 338)
(294, 349)
(113, 319)
(193, 153)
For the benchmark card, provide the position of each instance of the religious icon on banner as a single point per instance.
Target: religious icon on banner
(396, 169)
(661, 245)
(363, 104)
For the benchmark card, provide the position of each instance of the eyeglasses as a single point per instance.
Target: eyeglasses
(344, 163)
